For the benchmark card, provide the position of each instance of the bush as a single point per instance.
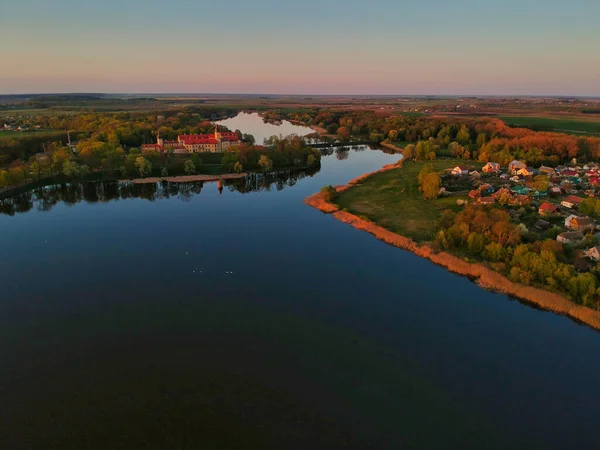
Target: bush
(329, 193)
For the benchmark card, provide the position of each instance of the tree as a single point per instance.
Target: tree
(144, 166)
(84, 170)
(426, 170)
(540, 183)
(237, 167)
(35, 169)
(164, 172)
(464, 135)
(431, 185)
(265, 163)
(408, 152)
(343, 133)
(329, 193)
(248, 138)
(189, 167)
(475, 243)
(71, 169)
(310, 160)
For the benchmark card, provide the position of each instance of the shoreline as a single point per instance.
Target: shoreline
(185, 178)
(391, 147)
(483, 276)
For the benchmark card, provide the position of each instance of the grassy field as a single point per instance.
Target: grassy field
(569, 126)
(393, 200)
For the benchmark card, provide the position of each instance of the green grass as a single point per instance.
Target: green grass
(393, 200)
(569, 126)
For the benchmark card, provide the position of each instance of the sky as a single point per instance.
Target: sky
(399, 47)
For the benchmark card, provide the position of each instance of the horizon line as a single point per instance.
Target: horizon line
(298, 95)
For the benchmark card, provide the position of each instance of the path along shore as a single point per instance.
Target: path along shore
(186, 178)
(483, 276)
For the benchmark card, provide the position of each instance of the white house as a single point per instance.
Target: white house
(568, 221)
(593, 253)
(570, 237)
(516, 165)
(571, 201)
(460, 170)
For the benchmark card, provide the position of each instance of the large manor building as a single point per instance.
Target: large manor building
(217, 142)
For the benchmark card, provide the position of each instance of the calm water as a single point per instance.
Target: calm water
(187, 318)
(254, 125)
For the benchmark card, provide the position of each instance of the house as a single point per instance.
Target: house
(486, 188)
(491, 167)
(581, 224)
(504, 176)
(474, 194)
(542, 225)
(521, 200)
(581, 265)
(593, 253)
(522, 190)
(547, 208)
(459, 170)
(515, 165)
(568, 220)
(555, 190)
(571, 201)
(545, 170)
(486, 201)
(570, 237)
(525, 172)
(476, 175)
(500, 192)
(568, 173)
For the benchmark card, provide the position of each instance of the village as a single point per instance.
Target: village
(548, 203)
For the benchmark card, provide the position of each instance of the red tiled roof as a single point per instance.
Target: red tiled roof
(573, 199)
(548, 207)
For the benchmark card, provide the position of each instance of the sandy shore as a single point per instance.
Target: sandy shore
(391, 147)
(186, 178)
(318, 129)
(484, 276)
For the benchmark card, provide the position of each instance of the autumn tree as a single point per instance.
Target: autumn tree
(144, 166)
(431, 185)
(265, 163)
(189, 167)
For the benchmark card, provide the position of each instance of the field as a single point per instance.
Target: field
(392, 200)
(569, 126)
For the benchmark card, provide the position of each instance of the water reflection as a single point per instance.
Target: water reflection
(45, 198)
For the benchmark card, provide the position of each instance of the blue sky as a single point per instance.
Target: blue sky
(310, 47)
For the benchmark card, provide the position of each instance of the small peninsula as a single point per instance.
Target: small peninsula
(464, 219)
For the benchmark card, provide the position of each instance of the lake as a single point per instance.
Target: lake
(183, 317)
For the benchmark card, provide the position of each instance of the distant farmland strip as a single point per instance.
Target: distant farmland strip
(582, 127)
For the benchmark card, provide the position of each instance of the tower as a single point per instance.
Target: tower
(217, 134)
(159, 141)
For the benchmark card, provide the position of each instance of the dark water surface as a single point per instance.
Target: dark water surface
(249, 320)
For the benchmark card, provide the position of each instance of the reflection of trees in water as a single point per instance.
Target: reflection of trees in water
(45, 198)
(342, 153)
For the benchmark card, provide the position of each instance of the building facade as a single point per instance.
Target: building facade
(218, 142)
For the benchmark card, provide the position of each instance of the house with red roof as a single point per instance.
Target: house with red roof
(571, 201)
(547, 208)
